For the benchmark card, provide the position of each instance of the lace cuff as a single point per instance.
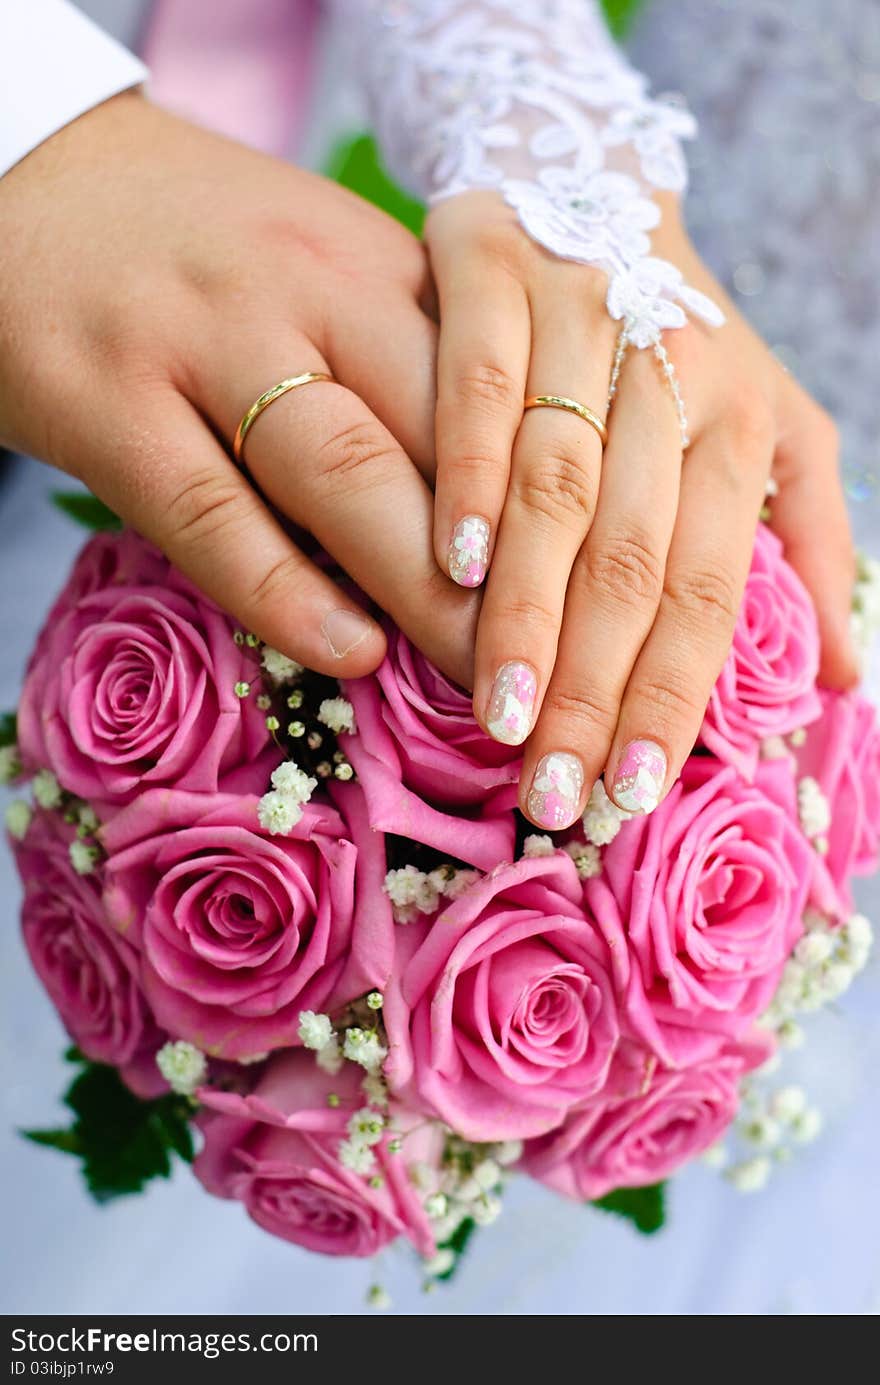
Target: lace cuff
(534, 99)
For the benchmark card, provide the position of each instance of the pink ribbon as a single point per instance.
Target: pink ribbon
(241, 67)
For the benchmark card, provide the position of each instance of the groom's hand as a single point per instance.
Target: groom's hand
(155, 280)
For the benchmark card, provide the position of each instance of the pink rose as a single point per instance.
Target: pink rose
(444, 754)
(842, 753)
(659, 1123)
(711, 889)
(419, 751)
(276, 1151)
(501, 1015)
(90, 973)
(768, 684)
(133, 685)
(109, 559)
(237, 930)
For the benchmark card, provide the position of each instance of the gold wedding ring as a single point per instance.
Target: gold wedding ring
(571, 406)
(310, 377)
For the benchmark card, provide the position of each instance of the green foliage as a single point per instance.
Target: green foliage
(122, 1141)
(620, 15)
(8, 733)
(644, 1207)
(458, 1243)
(86, 510)
(355, 163)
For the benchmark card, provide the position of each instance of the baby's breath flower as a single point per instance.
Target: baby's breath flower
(18, 818)
(813, 808)
(279, 668)
(378, 1298)
(807, 1126)
(751, 1175)
(83, 857)
(813, 949)
(487, 1210)
(441, 1263)
(315, 1030)
(362, 1046)
(278, 813)
(289, 779)
(774, 748)
(338, 714)
(411, 892)
(537, 845)
(508, 1152)
(761, 1130)
(375, 1089)
(457, 882)
(602, 818)
(790, 1034)
(343, 772)
(587, 858)
(242, 689)
(715, 1157)
(329, 1058)
(356, 1156)
(367, 1126)
(788, 1104)
(375, 1000)
(88, 818)
(10, 764)
(182, 1065)
(47, 790)
(436, 1205)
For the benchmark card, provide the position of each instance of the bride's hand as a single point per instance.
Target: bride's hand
(154, 281)
(614, 580)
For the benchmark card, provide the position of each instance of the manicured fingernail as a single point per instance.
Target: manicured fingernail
(344, 631)
(468, 555)
(640, 777)
(556, 790)
(512, 703)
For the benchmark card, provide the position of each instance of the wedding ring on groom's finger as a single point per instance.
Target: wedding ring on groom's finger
(293, 382)
(571, 406)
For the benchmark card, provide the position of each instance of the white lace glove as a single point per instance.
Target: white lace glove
(534, 99)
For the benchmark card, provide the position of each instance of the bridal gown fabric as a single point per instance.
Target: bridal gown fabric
(785, 178)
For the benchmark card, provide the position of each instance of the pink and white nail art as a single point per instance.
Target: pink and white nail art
(512, 703)
(468, 555)
(556, 790)
(640, 777)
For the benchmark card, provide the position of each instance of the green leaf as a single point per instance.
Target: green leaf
(121, 1140)
(644, 1207)
(8, 730)
(355, 163)
(620, 15)
(458, 1243)
(65, 1140)
(87, 510)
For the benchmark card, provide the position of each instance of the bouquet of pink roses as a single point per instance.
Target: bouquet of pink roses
(307, 919)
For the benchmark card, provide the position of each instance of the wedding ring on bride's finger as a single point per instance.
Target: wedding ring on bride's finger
(293, 382)
(571, 406)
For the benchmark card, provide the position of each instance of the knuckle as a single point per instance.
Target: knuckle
(673, 698)
(580, 709)
(527, 613)
(625, 568)
(704, 594)
(561, 490)
(205, 506)
(487, 386)
(276, 584)
(501, 241)
(352, 450)
(748, 422)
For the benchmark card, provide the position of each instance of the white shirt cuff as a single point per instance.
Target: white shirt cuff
(56, 65)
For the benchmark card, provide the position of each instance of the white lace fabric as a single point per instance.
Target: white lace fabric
(533, 98)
